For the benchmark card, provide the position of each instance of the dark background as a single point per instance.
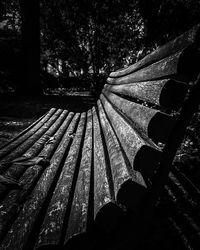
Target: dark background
(58, 53)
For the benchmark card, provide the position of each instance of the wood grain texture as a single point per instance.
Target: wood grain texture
(139, 149)
(18, 167)
(151, 122)
(167, 93)
(23, 132)
(181, 66)
(51, 230)
(19, 232)
(14, 200)
(47, 137)
(102, 190)
(23, 147)
(106, 213)
(78, 218)
(172, 47)
(126, 180)
(10, 147)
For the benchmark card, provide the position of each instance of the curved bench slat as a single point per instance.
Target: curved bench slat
(20, 232)
(11, 146)
(23, 132)
(129, 186)
(79, 212)
(132, 142)
(106, 212)
(181, 66)
(33, 138)
(172, 47)
(54, 225)
(47, 137)
(153, 123)
(167, 93)
(15, 198)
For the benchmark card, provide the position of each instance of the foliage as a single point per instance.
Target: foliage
(166, 19)
(9, 43)
(86, 39)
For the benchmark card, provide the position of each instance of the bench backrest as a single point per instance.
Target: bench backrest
(149, 96)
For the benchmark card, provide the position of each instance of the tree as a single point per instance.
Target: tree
(88, 37)
(30, 53)
(164, 20)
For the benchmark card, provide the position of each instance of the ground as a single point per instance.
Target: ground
(17, 113)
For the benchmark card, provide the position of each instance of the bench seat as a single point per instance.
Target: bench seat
(72, 179)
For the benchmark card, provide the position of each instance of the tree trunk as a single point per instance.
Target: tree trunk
(29, 82)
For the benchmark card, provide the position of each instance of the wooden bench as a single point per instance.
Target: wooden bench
(92, 179)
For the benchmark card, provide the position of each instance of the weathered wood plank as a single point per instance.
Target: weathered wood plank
(47, 137)
(50, 147)
(166, 93)
(153, 123)
(106, 212)
(10, 147)
(129, 186)
(189, 107)
(140, 151)
(14, 200)
(78, 218)
(19, 232)
(18, 167)
(23, 147)
(172, 47)
(181, 66)
(51, 230)
(23, 132)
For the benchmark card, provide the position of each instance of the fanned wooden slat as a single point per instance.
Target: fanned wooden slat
(49, 148)
(23, 132)
(129, 186)
(181, 66)
(14, 200)
(142, 153)
(11, 146)
(106, 213)
(17, 168)
(52, 228)
(47, 138)
(32, 139)
(78, 218)
(166, 93)
(153, 123)
(172, 47)
(20, 231)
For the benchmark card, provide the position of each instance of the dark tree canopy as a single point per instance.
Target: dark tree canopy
(81, 41)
